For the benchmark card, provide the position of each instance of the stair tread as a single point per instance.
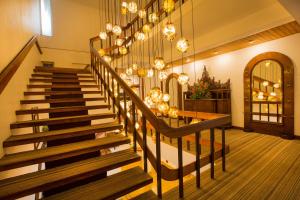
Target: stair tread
(111, 187)
(22, 159)
(60, 120)
(59, 109)
(56, 80)
(59, 134)
(61, 70)
(61, 86)
(68, 76)
(150, 195)
(61, 92)
(23, 185)
(62, 100)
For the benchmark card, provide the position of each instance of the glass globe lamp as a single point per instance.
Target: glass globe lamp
(150, 73)
(148, 101)
(103, 35)
(169, 31)
(132, 7)
(173, 112)
(155, 94)
(169, 5)
(119, 42)
(162, 75)
(153, 18)
(107, 59)
(166, 98)
(182, 45)
(124, 8)
(276, 85)
(101, 52)
(142, 72)
(139, 36)
(109, 26)
(147, 28)
(129, 71)
(265, 83)
(123, 50)
(117, 30)
(159, 63)
(183, 79)
(163, 107)
(123, 76)
(135, 66)
(273, 94)
(142, 13)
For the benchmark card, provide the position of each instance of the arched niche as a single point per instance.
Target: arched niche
(269, 101)
(179, 88)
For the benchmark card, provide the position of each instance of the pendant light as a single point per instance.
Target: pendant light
(124, 6)
(123, 50)
(159, 63)
(183, 78)
(162, 75)
(153, 18)
(146, 28)
(117, 30)
(169, 31)
(101, 52)
(169, 5)
(173, 112)
(119, 42)
(129, 71)
(182, 44)
(142, 13)
(150, 73)
(132, 7)
(166, 97)
(163, 107)
(140, 36)
(135, 66)
(102, 34)
(107, 59)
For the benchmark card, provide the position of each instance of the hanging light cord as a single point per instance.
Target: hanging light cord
(181, 32)
(194, 48)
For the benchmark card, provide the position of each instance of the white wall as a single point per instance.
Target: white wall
(232, 65)
(74, 23)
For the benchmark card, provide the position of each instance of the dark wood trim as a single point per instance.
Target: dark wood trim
(286, 129)
(297, 137)
(9, 71)
(179, 92)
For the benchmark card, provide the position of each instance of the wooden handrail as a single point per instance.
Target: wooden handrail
(9, 71)
(159, 124)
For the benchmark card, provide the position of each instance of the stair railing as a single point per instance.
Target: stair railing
(111, 85)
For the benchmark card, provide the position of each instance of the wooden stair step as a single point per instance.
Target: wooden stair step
(60, 76)
(55, 80)
(61, 70)
(63, 100)
(111, 187)
(60, 120)
(60, 109)
(20, 186)
(26, 158)
(62, 86)
(150, 195)
(61, 92)
(15, 140)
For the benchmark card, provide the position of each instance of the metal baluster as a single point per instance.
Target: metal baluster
(212, 153)
(133, 126)
(144, 129)
(223, 150)
(158, 164)
(113, 95)
(119, 103)
(180, 167)
(104, 80)
(198, 154)
(108, 90)
(125, 113)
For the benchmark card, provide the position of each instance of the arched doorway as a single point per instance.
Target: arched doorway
(269, 95)
(175, 90)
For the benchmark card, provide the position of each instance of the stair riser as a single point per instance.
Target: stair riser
(59, 100)
(62, 86)
(62, 81)
(61, 93)
(61, 76)
(31, 124)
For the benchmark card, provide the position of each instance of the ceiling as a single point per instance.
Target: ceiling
(220, 22)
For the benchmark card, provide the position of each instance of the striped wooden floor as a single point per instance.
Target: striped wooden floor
(258, 167)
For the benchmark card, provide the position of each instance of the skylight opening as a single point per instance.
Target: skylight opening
(46, 17)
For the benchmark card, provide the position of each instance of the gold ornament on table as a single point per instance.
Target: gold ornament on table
(103, 35)
(150, 73)
(132, 7)
(153, 18)
(123, 50)
(117, 30)
(169, 31)
(173, 112)
(119, 42)
(101, 52)
(166, 97)
(183, 79)
(162, 75)
(169, 5)
(159, 63)
(147, 28)
(142, 72)
(109, 26)
(139, 36)
(182, 45)
(142, 13)
(163, 107)
(107, 59)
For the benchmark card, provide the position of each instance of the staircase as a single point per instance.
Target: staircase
(69, 148)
